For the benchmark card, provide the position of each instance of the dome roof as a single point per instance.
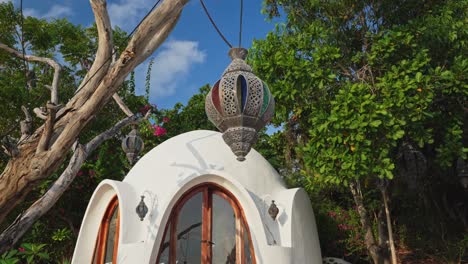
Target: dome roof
(197, 153)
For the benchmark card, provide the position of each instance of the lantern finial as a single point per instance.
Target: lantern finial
(239, 104)
(238, 53)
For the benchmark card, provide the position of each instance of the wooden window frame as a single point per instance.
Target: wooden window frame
(208, 190)
(101, 243)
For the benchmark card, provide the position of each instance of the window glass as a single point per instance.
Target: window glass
(111, 237)
(246, 242)
(189, 231)
(164, 257)
(206, 226)
(223, 231)
(105, 250)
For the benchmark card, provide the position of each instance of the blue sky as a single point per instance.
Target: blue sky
(192, 56)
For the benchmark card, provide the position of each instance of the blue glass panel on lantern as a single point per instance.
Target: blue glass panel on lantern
(243, 83)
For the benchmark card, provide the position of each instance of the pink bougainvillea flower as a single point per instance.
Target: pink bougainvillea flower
(166, 119)
(21, 249)
(332, 214)
(79, 173)
(92, 173)
(159, 131)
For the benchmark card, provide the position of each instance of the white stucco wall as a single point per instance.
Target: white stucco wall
(169, 170)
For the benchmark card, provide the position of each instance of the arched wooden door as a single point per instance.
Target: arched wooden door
(207, 225)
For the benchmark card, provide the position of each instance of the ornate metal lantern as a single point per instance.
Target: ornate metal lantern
(239, 104)
(141, 209)
(273, 210)
(132, 145)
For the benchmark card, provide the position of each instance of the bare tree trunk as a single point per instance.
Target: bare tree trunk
(369, 239)
(33, 164)
(389, 225)
(383, 236)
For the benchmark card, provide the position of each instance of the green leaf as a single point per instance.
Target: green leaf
(375, 123)
(399, 134)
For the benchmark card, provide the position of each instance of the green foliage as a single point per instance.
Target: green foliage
(148, 79)
(62, 234)
(355, 82)
(9, 257)
(34, 253)
(27, 253)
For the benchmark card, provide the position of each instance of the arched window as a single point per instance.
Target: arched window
(105, 251)
(207, 225)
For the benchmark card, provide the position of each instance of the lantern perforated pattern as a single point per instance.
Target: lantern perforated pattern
(239, 104)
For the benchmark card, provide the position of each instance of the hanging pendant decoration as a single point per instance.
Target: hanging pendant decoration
(132, 145)
(239, 104)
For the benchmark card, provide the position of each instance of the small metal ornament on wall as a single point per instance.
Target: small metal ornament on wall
(239, 104)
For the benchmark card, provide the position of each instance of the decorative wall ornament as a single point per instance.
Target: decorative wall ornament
(132, 145)
(239, 104)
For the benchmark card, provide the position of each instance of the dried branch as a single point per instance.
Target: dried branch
(29, 168)
(24, 221)
(40, 113)
(26, 124)
(50, 119)
(104, 51)
(10, 148)
(122, 105)
(154, 30)
(57, 68)
(48, 128)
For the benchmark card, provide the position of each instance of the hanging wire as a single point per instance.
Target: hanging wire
(115, 51)
(240, 23)
(214, 24)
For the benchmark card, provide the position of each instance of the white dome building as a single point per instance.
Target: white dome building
(204, 206)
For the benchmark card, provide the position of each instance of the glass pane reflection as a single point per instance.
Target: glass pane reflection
(223, 231)
(246, 242)
(164, 257)
(110, 240)
(189, 231)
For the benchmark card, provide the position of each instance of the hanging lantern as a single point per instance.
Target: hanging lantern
(239, 104)
(132, 145)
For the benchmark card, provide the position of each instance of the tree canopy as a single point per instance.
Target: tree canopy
(361, 84)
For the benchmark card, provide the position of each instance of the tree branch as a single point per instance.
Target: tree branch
(57, 68)
(40, 113)
(122, 105)
(26, 124)
(49, 125)
(48, 128)
(24, 221)
(155, 28)
(25, 171)
(104, 51)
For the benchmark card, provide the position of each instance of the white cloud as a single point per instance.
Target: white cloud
(54, 12)
(127, 13)
(171, 66)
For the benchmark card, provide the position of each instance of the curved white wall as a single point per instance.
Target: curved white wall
(169, 170)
